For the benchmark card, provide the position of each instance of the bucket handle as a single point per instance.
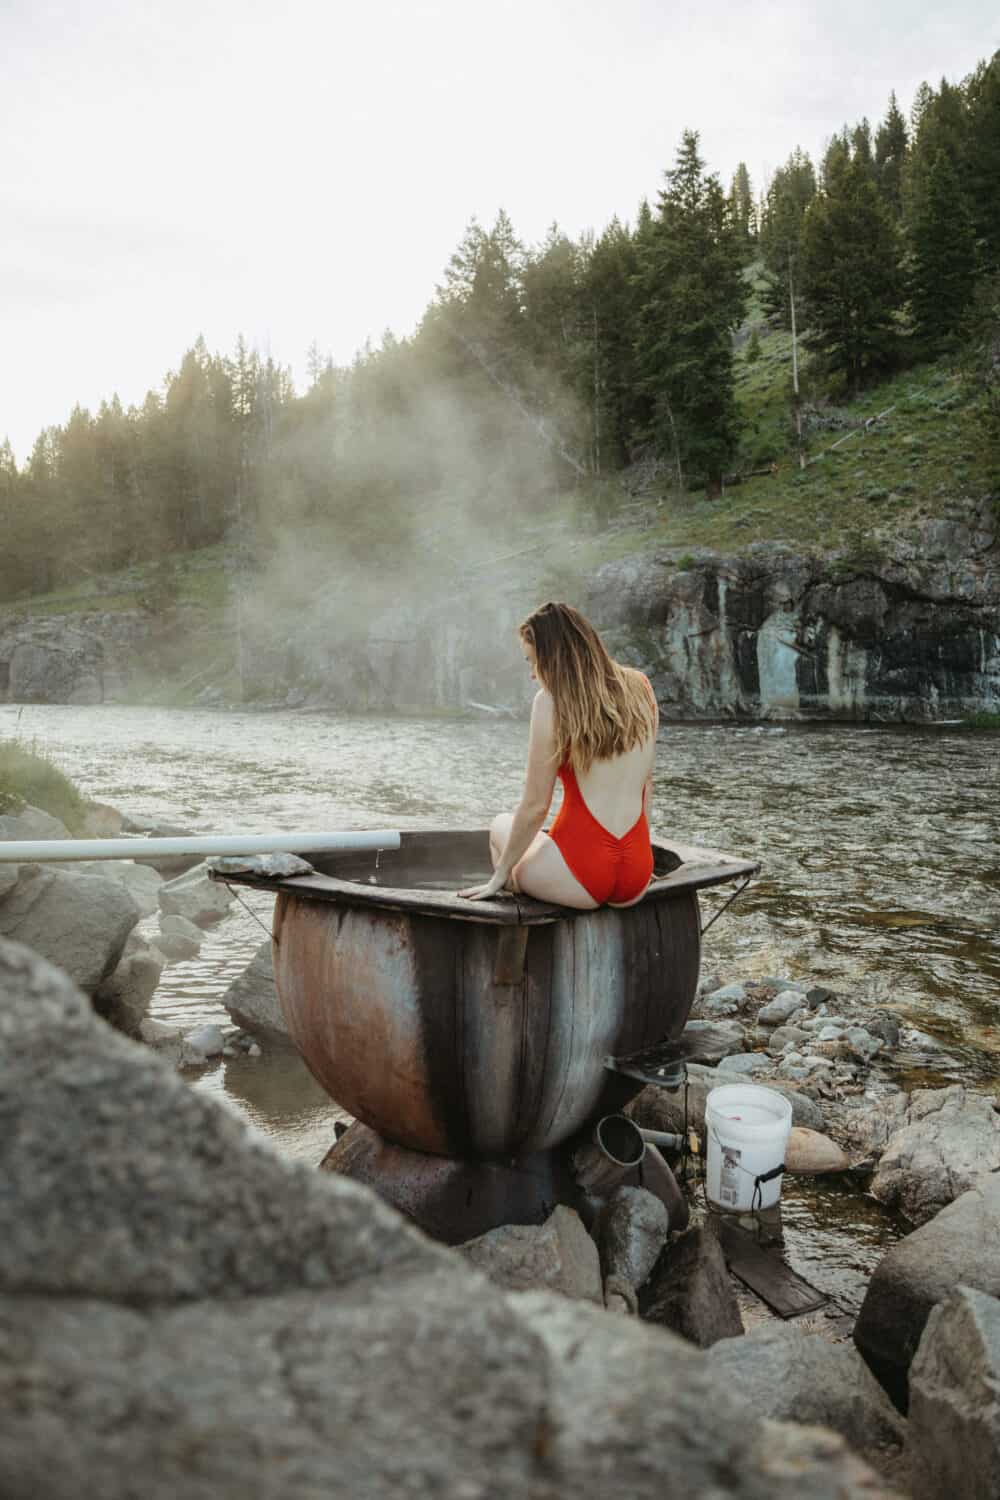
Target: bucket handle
(759, 1178)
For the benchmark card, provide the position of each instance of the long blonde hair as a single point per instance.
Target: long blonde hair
(602, 709)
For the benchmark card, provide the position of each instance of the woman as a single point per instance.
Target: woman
(593, 724)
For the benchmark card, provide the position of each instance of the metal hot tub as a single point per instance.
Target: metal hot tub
(480, 1030)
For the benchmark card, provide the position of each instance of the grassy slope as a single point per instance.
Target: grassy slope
(926, 458)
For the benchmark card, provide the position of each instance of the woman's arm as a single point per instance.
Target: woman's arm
(529, 815)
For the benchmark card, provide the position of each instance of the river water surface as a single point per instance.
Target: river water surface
(880, 850)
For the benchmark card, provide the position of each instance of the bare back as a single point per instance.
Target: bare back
(613, 789)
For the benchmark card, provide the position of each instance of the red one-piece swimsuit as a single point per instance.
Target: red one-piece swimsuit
(609, 868)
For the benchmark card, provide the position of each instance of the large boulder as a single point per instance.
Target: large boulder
(252, 998)
(123, 1183)
(784, 1372)
(123, 998)
(631, 1413)
(949, 1141)
(31, 823)
(184, 1313)
(80, 922)
(961, 1244)
(633, 1228)
(425, 1382)
(953, 1443)
(557, 1256)
(690, 1291)
(140, 881)
(194, 896)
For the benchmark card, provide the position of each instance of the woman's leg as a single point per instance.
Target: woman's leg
(541, 871)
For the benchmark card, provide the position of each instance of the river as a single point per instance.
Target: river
(880, 850)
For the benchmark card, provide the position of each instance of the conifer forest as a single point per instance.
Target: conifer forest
(554, 365)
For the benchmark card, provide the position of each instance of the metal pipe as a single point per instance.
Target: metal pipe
(664, 1139)
(615, 1149)
(19, 851)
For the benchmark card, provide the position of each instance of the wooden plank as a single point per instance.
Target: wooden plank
(766, 1272)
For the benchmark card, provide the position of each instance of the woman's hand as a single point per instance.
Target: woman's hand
(484, 892)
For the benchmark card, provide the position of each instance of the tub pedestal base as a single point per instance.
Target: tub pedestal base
(451, 1200)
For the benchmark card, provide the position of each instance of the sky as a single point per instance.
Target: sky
(303, 170)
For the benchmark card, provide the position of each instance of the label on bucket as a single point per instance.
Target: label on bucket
(729, 1189)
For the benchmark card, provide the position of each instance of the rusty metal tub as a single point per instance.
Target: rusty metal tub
(480, 1030)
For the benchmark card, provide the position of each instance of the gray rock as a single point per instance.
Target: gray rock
(204, 1042)
(819, 995)
(427, 1382)
(181, 927)
(633, 1229)
(781, 1007)
(785, 1037)
(829, 1033)
(862, 1045)
(176, 948)
(167, 865)
(949, 1141)
(659, 1110)
(783, 1372)
(885, 1026)
(632, 1414)
(9, 876)
(953, 1443)
(557, 1256)
(195, 897)
(746, 1063)
(123, 1183)
(728, 1001)
(716, 1039)
(265, 866)
(690, 1292)
(777, 985)
(960, 1245)
(252, 998)
(123, 998)
(79, 922)
(865, 1124)
(31, 823)
(140, 881)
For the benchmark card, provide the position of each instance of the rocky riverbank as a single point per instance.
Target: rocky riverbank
(149, 1285)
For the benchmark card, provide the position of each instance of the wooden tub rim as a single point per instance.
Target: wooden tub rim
(698, 869)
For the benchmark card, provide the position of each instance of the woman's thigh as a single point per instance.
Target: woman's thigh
(543, 873)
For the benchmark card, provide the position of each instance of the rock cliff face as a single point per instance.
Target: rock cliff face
(67, 658)
(909, 634)
(776, 634)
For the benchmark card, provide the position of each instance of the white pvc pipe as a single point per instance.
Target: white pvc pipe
(50, 850)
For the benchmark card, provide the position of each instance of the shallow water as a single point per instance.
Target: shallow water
(881, 870)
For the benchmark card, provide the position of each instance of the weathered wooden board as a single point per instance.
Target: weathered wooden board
(766, 1272)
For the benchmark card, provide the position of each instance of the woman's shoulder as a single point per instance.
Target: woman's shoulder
(543, 710)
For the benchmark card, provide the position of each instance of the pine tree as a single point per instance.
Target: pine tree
(693, 298)
(617, 407)
(742, 209)
(792, 189)
(942, 252)
(891, 142)
(851, 277)
(983, 171)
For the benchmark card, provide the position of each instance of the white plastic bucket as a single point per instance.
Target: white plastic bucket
(747, 1128)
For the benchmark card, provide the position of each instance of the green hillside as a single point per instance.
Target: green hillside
(909, 449)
